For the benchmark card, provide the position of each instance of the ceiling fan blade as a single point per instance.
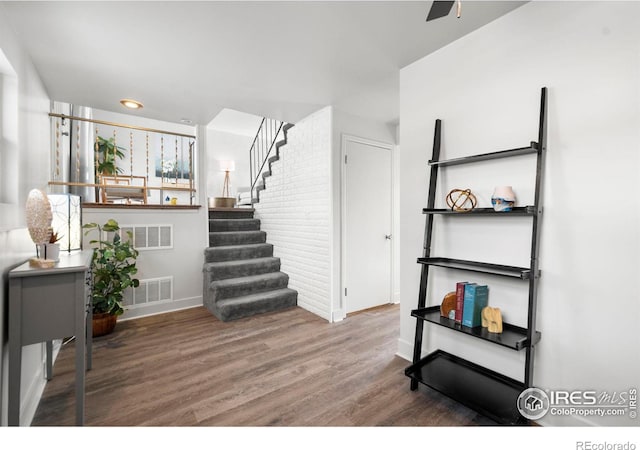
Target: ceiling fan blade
(439, 9)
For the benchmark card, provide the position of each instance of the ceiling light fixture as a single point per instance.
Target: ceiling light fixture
(186, 121)
(131, 104)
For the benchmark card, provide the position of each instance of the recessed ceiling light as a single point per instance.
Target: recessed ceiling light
(131, 104)
(186, 121)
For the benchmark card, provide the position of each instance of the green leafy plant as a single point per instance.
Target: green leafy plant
(114, 265)
(108, 153)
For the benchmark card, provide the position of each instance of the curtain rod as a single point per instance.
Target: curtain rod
(113, 124)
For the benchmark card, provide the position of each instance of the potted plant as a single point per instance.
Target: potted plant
(113, 270)
(108, 151)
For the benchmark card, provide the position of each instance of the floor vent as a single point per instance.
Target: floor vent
(152, 290)
(149, 237)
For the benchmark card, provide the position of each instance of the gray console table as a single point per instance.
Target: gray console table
(47, 304)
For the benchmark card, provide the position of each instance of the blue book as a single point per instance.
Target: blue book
(476, 297)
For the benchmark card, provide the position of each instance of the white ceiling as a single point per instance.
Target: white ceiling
(277, 59)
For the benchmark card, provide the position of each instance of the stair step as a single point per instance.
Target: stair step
(218, 238)
(241, 268)
(234, 224)
(235, 252)
(249, 305)
(231, 213)
(238, 287)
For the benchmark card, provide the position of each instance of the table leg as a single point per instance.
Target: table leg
(15, 352)
(89, 328)
(81, 340)
(49, 360)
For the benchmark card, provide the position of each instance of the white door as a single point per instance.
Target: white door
(366, 252)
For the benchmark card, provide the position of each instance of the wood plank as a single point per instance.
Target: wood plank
(288, 368)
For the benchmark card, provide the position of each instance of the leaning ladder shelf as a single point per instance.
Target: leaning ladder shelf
(486, 391)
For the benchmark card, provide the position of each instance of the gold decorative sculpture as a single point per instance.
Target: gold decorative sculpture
(492, 319)
(461, 200)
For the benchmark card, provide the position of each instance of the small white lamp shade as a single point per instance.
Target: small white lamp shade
(227, 165)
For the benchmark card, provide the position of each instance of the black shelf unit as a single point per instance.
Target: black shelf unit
(486, 391)
(512, 336)
(490, 393)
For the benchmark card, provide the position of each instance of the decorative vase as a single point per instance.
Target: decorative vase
(103, 323)
(503, 198)
(49, 252)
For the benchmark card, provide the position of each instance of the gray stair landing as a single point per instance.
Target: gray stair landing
(241, 276)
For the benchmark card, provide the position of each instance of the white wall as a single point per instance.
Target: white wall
(485, 87)
(24, 147)
(223, 145)
(295, 211)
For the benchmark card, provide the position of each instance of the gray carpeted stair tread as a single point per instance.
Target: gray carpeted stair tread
(237, 287)
(241, 268)
(219, 238)
(234, 225)
(248, 305)
(235, 252)
(231, 213)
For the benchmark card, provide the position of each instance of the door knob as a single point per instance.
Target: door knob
(387, 236)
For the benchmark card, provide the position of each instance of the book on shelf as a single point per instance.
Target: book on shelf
(459, 300)
(476, 297)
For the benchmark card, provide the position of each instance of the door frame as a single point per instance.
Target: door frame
(343, 212)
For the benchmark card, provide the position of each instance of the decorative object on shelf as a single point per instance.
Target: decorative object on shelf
(173, 201)
(226, 201)
(448, 306)
(38, 212)
(492, 319)
(503, 198)
(461, 200)
(67, 216)
(459, 301)
(476, 298)
(112, 270)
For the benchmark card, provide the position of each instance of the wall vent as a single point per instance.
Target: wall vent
(149, 237)
(151, 290)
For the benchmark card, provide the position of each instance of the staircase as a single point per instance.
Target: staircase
(241, 276)
(264, 151)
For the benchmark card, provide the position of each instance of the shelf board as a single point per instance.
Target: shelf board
(485, 391)
(523, 273)
(517, 211)
(532, 148)
(512, 336)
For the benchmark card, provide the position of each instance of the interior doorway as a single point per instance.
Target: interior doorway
(367, 234)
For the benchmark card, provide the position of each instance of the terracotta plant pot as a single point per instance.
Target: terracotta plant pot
(103, 323)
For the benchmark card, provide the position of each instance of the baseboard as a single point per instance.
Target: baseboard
(405, 350)
(338, 315)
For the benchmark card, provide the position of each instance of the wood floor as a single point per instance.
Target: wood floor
(288, 368)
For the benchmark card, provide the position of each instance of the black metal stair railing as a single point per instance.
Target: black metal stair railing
(261, 149)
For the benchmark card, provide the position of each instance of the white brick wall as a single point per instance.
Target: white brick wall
(295, 211)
